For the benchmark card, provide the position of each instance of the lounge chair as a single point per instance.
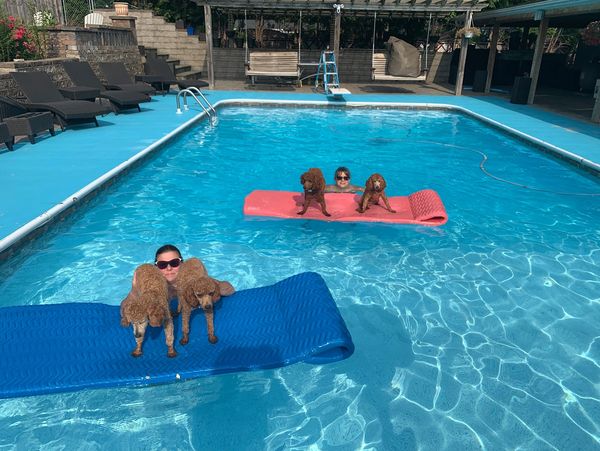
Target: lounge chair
(81, 74)
(118, 78)
(43, 95)
(20, 121)
(159, 68)
(6, 137)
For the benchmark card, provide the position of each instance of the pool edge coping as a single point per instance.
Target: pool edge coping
(21, 233)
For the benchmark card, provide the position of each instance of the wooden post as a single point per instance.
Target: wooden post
(336, 36)
(464, 45)
(491, 58)
(537, 58)
(209, 46)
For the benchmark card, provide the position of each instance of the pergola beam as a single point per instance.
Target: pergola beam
(536, 63)
(366, 6)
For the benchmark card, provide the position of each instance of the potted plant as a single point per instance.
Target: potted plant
(468, 32)
(121, 8)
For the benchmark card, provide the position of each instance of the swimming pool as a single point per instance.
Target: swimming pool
(481, 333)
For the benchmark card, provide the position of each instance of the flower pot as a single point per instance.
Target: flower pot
(121, 8)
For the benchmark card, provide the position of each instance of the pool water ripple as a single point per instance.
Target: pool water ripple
(481, 334)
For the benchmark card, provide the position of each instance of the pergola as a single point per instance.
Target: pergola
(549, 13)
(398, 8)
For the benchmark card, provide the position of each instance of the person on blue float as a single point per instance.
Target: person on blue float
(168, 259)
(342, 182)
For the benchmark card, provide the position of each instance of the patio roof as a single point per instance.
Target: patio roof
(560, 13)
(354, 7)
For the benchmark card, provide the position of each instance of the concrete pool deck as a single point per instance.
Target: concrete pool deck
(44, 179)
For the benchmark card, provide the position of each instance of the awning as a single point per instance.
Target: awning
(560, 13)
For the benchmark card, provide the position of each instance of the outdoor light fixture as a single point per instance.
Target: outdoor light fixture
(338, 7)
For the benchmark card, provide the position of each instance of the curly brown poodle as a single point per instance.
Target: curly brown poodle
(196, 289)
(148, 303)
(313, 183)
(374, 192)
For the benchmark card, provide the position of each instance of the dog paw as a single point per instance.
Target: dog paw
(327, 214)
(172, 353)
(136, 353)
(392, 211)
(213, 339)
(184, 341)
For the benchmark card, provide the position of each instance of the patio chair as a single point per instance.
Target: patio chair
(81, 74)
(6, 137)
(43, 95)
(159, 68)
(118, 78)
(20, 121)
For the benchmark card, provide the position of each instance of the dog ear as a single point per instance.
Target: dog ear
(125, 322)
(302, 179)
(383, 183)
(369, 184)
(217, 293)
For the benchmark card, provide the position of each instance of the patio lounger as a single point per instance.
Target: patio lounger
(159, 68)
(6, 137)
(118, 78)
(43, 95)
(81, 74)
(23, 122)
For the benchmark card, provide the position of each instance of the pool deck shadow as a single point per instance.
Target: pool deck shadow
(50, 173)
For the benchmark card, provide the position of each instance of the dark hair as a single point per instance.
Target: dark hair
(342, 169)
(166, 248)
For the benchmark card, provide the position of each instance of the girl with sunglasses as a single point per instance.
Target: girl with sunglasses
(342, 182)
(167, 260)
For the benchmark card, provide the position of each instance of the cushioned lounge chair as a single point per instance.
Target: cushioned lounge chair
(81, 74)
(43, 95)
(6, 137)
(156, 67)
(118, 78)
(20, 121)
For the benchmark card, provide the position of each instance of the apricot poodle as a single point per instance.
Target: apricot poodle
(313, 183)
(374, 192)
(148, 303)
(196, 289)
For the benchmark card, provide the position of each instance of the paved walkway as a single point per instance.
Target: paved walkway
(46, 177)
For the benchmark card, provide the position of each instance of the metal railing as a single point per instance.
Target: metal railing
(192, 91)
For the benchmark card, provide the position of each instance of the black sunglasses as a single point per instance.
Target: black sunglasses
(342, 177)
(161, 264)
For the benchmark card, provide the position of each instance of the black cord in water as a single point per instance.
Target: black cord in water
(510, 182)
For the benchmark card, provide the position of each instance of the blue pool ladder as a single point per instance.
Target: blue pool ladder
(328, 73)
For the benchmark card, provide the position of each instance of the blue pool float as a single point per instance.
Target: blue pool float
(72, 346)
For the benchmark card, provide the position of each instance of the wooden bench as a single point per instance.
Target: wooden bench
(379, 70)
(273, 64)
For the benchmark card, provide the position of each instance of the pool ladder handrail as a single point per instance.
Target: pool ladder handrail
(190, 91)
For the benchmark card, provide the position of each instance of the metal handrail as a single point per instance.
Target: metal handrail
(188, 91)
(194, 89)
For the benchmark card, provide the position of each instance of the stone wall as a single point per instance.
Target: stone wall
(95, 45)
(53, 66)
(102, 44)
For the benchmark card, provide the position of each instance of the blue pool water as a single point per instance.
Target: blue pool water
(481, 334)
